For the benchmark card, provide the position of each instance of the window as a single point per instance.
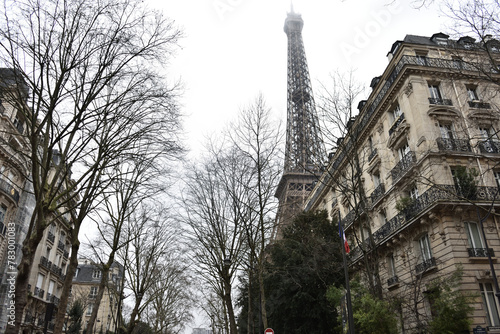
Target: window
(425, 248)
(422, 59)
(488, 133)
(403, 150)
(77, 271)
(490, 303)
(39, 280)
(497, 178)
(90, 307)
(93, 291)
(413, 192)
(435, 92)
(391, 266)
(382, 217)
(474, 235)
(396, 113)
(52, 284)
(3, 211)
(96, 274)
(365, 233)
(446, 131)
(62, 238)
(376, 179)
(472, 94)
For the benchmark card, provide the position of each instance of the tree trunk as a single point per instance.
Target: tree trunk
(70, 273)
(229, 304)
(262, 300)
(23, 276)
(134, 314)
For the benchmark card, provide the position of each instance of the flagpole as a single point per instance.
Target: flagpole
(350, 319)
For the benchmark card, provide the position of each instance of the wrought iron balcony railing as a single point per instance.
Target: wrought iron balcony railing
(9, 189)
(480, 252)
(403, 166)
(489, 146)
(38, 292)
(440, 101)
(479, 105)
(396, 123)
(349, 219)
(426, 265)
(432, 196)
(455, 145)
(393, 280)
(45, 262)
(377, 193)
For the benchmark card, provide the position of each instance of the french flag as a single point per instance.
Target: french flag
(343, 238)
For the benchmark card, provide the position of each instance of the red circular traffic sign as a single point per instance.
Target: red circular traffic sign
(269, 331)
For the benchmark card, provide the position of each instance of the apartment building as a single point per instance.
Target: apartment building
(16, 207)
(415, 180)
(85, 288)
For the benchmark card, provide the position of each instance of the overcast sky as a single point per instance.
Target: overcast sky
(235, 49)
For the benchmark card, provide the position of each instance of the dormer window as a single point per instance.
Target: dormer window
(96, 274)
(440, 38)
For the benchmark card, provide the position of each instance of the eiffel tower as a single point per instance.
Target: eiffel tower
(305, 152)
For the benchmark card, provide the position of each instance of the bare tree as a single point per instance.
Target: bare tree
(89, 91)
(258, 138)
(214, 214)
(136, 179)
(170, 307)
(152, 238)
(338, 115)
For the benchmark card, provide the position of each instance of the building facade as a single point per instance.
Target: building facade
(416, 179)
(85, 288)
(16, 208)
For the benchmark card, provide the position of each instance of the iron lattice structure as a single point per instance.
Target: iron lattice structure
(305, 152)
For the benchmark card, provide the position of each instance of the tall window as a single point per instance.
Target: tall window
(90, 307)
(39, 280)
(3, 211)
(472, 93)
(446, 131)
(435, 91)
(93, 291)
(382, 217)
(497, 178)
(425, 248)
(395, 113)
(52, 284)
(391, 266)
(376, 179)
(490, 303)
(413, 192)
(474, 235)
(403, 150)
